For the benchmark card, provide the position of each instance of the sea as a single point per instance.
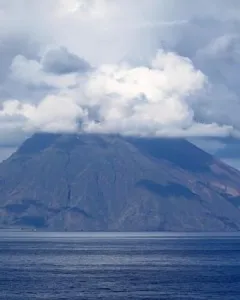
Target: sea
(112, 266)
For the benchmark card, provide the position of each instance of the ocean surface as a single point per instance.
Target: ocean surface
(74, 266)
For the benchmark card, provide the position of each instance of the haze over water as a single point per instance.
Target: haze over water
(70, 266)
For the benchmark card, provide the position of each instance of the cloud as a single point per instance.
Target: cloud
(144, 67)
(153, 100)
(144, 100)
(32, 73)
(61, 61)
(52, 114)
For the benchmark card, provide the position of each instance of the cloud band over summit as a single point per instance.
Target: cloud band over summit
(158, 68)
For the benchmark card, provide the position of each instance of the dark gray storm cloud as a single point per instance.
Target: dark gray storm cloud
(61, 61)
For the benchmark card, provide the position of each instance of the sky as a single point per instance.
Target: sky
(139, 67)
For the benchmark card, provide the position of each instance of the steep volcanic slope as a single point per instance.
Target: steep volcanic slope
(93, 182)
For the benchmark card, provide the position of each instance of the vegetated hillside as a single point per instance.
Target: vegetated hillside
(106, 182)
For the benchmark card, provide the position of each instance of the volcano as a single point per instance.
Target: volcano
(89, 182)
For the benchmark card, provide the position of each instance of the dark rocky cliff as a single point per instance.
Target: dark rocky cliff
(93, 182)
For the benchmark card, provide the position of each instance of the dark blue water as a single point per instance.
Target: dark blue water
(100, 266)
